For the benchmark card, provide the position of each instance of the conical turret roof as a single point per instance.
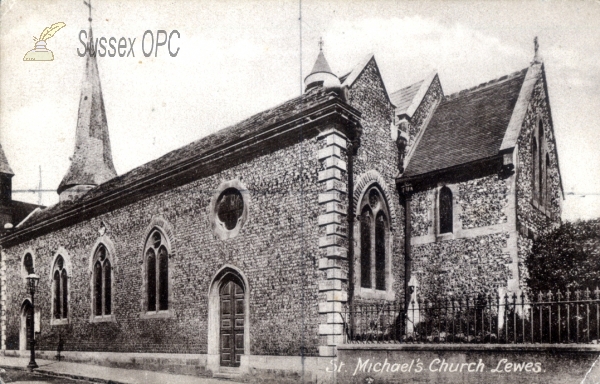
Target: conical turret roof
(92, 162)
(4, 166)
(321, 65)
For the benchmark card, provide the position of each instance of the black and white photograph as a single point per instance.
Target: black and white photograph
(299, 191)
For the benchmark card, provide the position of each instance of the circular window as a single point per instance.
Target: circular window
(230, 207)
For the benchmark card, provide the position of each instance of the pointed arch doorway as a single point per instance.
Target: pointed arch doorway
(228, 321)
(26, 325)
(231, 321)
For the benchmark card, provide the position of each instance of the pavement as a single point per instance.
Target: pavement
(101, 374)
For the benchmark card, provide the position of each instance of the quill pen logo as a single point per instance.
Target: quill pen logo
(40, 52)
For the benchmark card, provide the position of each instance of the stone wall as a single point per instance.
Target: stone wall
(379, 153)
(423, 113)
(477, 256)
(277, 250)
(532, 221)
(466, 363)
(422, 213)
(462, 266)
(483, 202)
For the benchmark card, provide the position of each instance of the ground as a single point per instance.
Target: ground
(25, 377)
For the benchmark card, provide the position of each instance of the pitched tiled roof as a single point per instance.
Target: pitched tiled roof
(4, 167)
(244, 129)
(403, 98)
(467, 126)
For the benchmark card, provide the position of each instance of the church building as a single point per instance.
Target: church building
(237, 253)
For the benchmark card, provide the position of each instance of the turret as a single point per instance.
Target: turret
(321, 74)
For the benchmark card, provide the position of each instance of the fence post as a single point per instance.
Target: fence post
(501, 312)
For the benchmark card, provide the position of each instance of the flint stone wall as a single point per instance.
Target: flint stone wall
(277, 250)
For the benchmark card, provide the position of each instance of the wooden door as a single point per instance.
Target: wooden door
(232, 323)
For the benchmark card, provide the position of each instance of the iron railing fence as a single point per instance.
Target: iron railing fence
(569, 317)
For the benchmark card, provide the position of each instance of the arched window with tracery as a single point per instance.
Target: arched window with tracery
(445, 210)
(157, 272)
(102, 282)
(60, 289)
(374, 233)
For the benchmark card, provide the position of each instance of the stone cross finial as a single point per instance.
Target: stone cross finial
(89, 5)
(536, 56)
(321, 44)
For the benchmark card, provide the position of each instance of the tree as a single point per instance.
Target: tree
(568, 257)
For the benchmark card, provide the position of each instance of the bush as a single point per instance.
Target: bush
(568, 257)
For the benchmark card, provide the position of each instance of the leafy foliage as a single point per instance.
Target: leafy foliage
(568, 257)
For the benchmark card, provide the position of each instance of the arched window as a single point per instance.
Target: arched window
(374, 229)
(534, 167)
(60, 289)
(540, 160)
(157, 272)
(546, 182)
(380, 224)
(445, 210)
(28, 264)
(102, 278)
(365, 249)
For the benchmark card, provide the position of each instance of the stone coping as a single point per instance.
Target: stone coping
(592, 348)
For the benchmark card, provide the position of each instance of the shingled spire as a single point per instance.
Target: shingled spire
(92, 162)
(6, 175)
(321, 74)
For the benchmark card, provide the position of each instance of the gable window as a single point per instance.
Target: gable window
(540, 165)
(102, 282)
(157, 272)
(373, 237)
(60, 288)
(445, 210)
(534, 167)
(546, 181)
(540, 160)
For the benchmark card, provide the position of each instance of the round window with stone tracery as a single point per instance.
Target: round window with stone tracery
(230, 207)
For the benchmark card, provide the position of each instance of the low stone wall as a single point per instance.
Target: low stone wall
(542, 363)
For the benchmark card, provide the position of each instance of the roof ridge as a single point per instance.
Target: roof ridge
(486, 84)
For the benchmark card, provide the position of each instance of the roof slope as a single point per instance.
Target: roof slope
(403, 98)
(4, 166)
(242, 130)
(467, 126)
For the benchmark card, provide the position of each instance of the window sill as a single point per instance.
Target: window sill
(444, 236)
(375, 294)
(157, 314)
(541, 208)
(54, 322)
(103, 319)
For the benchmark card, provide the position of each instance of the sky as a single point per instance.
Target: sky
(238, 58)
